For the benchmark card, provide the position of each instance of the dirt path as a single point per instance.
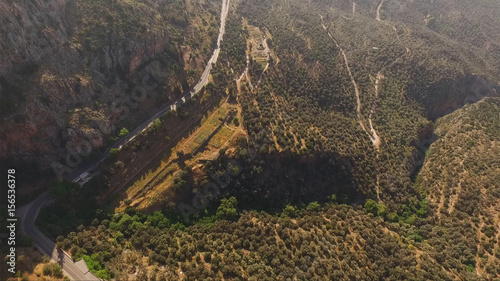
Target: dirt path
(247, 77)
(376, 138)
(353, 81)
(246, 73)
(268, 51)
(371, 132)
(395, 31)
(238, 81)
(378, 10)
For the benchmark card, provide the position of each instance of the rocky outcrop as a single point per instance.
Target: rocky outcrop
(448, 96)
(64, 79)
(31, 30)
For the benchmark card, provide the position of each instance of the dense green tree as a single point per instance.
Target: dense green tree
(227, 209)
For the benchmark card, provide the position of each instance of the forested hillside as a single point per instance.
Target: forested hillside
(335, 242)
(464, 195)
(349, 141)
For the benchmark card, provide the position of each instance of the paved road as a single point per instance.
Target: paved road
(29, 213)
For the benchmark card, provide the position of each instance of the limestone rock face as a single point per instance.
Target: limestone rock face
(456, 94)
(64, 73)
(31, 30)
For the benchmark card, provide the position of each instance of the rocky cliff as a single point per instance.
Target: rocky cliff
(73, 70)
(453, 95)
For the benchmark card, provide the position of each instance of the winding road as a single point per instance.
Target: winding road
(29, 212)
(28, 216)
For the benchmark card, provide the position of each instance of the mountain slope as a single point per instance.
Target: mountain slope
(337, 104)
(462, 178)
(70, 71)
